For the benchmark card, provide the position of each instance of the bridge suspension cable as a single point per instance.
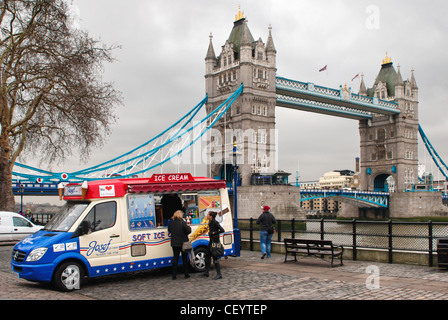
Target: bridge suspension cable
(155, 152)
(434, 155)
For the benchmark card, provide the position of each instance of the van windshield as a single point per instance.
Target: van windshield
(64, 219)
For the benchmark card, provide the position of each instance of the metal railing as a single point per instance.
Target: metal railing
(40, 218)
(358, 234)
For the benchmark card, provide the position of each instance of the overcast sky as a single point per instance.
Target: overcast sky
(160, 66)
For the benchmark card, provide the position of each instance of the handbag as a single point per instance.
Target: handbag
(192, 257)
(216, 249)
(271, 230)
(186, 246)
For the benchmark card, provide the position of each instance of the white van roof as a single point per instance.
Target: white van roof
(8, 213)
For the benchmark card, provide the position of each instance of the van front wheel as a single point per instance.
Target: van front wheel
(68, 276)
(199, 258)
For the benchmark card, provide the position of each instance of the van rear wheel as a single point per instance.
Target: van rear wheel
(68, 276)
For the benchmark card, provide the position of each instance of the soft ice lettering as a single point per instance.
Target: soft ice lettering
(159, 235)
(147, 236)
(100, 248)
(141, 237)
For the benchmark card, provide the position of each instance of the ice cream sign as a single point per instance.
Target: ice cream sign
(179, 177)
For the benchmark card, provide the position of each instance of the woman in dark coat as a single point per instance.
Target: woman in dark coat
(214, 230)
(179, 231)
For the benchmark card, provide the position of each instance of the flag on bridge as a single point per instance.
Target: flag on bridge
(323, 69)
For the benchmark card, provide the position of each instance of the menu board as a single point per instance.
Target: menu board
(141, 211)
(210, 202)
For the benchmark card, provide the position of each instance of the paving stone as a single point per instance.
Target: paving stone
(247, 278)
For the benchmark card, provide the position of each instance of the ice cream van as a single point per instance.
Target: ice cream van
(121, 225)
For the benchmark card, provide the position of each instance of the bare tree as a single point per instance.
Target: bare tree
(52, 96)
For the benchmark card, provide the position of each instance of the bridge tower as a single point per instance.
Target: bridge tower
(389, 143)
(250, 122)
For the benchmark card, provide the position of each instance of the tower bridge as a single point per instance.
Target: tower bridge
(387, 112)
(242, 92)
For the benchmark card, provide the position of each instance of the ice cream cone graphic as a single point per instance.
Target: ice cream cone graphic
(61, 190)
(84, 188)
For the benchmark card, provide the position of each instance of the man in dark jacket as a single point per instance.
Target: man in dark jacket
(267, 221)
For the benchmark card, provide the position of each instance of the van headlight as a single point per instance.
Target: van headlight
(36, 254)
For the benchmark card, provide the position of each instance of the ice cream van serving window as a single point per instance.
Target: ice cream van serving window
(153, 210)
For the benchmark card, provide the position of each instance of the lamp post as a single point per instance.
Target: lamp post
(22, 187)
(236, 231)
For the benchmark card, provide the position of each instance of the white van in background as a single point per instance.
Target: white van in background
(15, 227)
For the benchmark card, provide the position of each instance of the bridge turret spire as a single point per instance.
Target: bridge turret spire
(210, 52)
(270, 43)
(240, 14)
(362, 86)
(399, 80)
(413, 82)
(210, 58)
(399, 84)
(387, 59)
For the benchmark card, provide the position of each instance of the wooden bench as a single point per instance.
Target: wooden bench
(313, 247)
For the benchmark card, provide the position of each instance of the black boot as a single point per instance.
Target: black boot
(207, 267)
(204, 273)
(218, 271)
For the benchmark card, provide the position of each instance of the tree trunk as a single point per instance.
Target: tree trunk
(7, 200)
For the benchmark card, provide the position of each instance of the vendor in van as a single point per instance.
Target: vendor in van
(170, 204)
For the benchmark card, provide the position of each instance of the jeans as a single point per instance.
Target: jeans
(265, 242)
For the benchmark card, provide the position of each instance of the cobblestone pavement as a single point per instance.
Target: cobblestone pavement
(249, 278)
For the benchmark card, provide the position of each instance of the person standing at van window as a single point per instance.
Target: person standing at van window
(267, 221)
(179, 231)
(214, 229)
